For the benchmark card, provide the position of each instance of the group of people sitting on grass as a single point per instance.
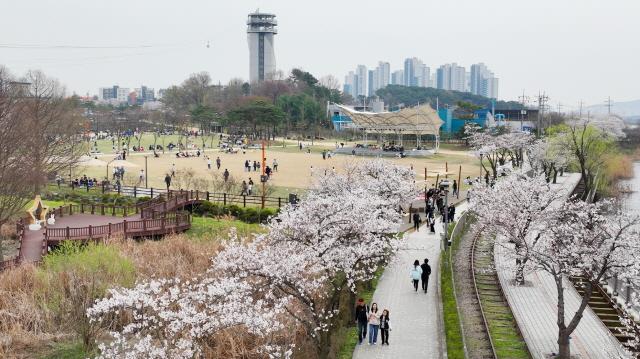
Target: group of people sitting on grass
(186, 154)
(84, 181)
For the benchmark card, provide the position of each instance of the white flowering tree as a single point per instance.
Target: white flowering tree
(514, 209)
(588, 242)
(173, 319)
(566, 239)
(339, 234)
(548, 156)
(496, 148)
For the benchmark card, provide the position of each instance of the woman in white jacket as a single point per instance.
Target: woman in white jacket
(416, 274)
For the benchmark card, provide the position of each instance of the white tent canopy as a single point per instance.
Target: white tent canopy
(419, 120)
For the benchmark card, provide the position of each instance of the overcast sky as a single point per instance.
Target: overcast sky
(572, 49)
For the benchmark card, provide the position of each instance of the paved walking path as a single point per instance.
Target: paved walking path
(534, 306)
(415, 318)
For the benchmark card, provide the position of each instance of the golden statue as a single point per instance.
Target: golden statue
(38, 211)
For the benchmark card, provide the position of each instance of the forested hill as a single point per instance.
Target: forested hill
(411, 96)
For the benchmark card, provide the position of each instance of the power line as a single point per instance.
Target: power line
(66, 47)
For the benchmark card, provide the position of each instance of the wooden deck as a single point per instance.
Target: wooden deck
(94, 222)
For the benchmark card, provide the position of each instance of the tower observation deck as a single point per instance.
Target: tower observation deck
(260, 30)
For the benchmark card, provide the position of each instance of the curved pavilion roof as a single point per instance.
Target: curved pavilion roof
(419, 120)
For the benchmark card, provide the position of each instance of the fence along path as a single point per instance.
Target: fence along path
(158, 216)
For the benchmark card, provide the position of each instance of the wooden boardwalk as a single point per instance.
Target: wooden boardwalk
(159, 216)
(534, 306)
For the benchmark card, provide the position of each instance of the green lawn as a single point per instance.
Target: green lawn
(205, 228)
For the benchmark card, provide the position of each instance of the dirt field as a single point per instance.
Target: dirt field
(294, 170)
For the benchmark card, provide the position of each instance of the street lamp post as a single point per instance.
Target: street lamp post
(146, 173)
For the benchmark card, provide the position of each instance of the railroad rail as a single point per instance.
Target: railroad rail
(495, 311)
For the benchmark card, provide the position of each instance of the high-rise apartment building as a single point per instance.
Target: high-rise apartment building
(482, 81)
(351, 84)
(451, 77)
(261, 28)
(397, 78)
(382, 75)
(363, 76)
(416, 73)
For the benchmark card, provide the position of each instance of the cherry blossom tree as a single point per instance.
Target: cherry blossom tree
(513, 209)
(588, 242)
(548, 156)
(339, 234)
(565, 239)
(496, 148)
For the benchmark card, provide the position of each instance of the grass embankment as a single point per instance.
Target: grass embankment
(204, 228)
(453, 330)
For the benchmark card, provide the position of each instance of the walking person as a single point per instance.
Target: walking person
(208, 163)
(416, 274)
(226, 175)
(384, 327)
(173, 170)
(362, 310)
(250, 186)
(416, 222)
(432, 224)
(275, 165)
(141, 178)
(455, 189)
(426, 272)
(218, 162)
(452, 212)
(374, 324)
(167, 180)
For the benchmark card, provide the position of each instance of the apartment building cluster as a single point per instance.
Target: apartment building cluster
(479, 80)
(117, 95)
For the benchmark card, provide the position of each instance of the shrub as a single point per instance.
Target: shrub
(73, 276)
(250, 215)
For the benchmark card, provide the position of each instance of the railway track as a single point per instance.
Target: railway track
(503, 335)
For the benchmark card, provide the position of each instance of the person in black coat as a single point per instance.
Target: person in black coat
(426, 272)
(362, 311)
(452, 212)
(384, 327)
(416, 221)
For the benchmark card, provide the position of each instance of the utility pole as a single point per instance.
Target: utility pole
(608, 103)
(523, 100)
(542, 103)
(581, 103)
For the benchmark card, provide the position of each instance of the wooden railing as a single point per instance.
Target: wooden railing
(99, 209)
(127, 229)
(219, 197)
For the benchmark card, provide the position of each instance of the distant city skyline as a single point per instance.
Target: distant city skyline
(87, 44)
(451, 76)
